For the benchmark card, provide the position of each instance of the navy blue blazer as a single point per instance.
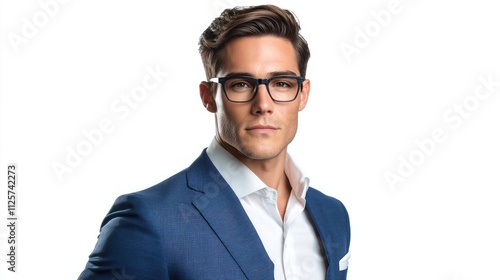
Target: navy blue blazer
(193, 226)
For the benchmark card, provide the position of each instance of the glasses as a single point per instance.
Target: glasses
(242, 89)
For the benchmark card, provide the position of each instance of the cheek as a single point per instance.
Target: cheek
(228, 120)
(291, 116)
(291, 124)
(226, 123)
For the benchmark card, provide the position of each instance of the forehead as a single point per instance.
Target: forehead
(259, 56)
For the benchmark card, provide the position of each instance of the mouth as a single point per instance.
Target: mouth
(261, 129)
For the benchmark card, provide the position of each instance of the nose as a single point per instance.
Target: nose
(262, 103)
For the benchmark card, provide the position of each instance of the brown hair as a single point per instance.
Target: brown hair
(250, 21)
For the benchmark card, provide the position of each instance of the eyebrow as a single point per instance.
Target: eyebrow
(270, 74)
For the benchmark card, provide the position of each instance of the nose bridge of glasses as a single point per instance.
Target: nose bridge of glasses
(262, 82)
(259, 82)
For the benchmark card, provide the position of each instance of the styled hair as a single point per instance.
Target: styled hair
(250, 21)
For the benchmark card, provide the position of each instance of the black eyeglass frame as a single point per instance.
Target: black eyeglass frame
(258, 82)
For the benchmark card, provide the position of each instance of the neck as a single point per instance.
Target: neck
(271, 171)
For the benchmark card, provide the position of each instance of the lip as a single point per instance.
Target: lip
(261, 128)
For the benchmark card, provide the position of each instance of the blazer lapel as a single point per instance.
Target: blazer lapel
(329, 230)
(222, 209)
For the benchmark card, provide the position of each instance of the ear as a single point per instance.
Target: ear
(304, 94)
(207, 98)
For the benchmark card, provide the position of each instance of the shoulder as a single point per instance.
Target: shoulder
(178, 188)
(173, 195)
(172, 186)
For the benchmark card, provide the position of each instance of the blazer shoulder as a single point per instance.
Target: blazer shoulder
(185, 183)
(180, 187)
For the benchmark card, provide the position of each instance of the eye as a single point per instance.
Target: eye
(283, 83)
(239, 84)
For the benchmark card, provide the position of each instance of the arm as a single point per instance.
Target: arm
(128, 246)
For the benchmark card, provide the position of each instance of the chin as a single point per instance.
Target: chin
(260, 153)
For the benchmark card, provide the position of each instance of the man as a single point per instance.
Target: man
(243, 209)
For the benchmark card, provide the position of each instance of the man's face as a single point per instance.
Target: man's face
(259, 129)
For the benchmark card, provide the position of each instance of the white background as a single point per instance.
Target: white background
(365, 113)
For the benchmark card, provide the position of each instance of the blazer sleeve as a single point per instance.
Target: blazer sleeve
(127, 246)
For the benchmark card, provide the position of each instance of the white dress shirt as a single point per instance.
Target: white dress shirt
(292, 243)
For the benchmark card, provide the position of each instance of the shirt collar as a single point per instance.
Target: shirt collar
(243, 181)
